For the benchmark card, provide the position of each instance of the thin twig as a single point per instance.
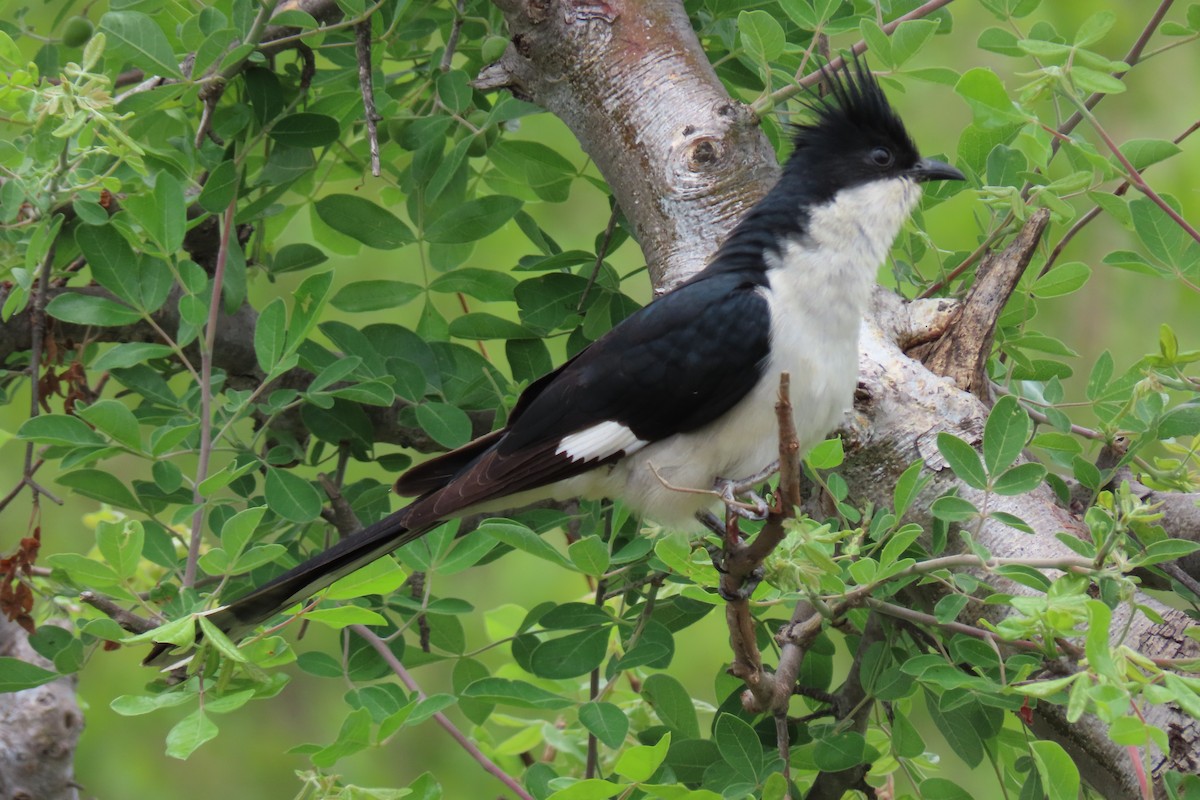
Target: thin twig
(1131, 58)
(206, 365)
(362, 49)
(452, 39)
(122, 616)
(600, 253)
(466, 744)
(1135, 177)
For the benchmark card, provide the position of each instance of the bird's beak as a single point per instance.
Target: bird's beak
(928, 169)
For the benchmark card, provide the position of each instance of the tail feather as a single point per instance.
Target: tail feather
(357, 550)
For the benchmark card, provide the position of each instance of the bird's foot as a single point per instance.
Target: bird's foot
(744, 591)
(730, 490)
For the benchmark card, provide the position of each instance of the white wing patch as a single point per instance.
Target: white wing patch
(599, 442)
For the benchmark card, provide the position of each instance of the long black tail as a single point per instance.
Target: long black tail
(357, 550)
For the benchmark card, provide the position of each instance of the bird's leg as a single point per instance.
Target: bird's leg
(730, 490)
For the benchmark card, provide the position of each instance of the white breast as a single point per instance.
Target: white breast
(819, 289)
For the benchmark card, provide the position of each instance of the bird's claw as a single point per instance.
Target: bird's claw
(744, 591)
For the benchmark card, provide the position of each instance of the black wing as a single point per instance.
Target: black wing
(671, 367)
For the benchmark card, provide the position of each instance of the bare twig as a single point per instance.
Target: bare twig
(452, 39)
(465, 743)
(122, 616)
(362, 49)
(206, 366)
(1131, 58)
(601, 252)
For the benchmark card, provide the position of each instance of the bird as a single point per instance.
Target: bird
(682, 392)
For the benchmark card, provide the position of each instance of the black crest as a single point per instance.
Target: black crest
(856, 136)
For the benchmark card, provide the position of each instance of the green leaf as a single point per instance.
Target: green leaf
(963, 459)
(1063, 279)
(472, 220)
(1019, 479)
(220, 188)
(270, 335)
(189, 733)
(590, 555)
(382, 576)
(338, 617)
(446, 424)
(137, 37)
(59, 429)
(17, 675)
(908, 485)
(111, 260)
(1165, 550)
(481, 325)
(1143, 153)
(362, 220)
(987, 97)
(222, 643)
(503, 691)
(1094, 28)
(306, 130)
(953, 509)
(587, 789)
(84, 309)
(295, 257)
(570, 656)
(1180, 422)
(672, 703)
(1157, 231)
(910, 37)
(375, 295)
(121, 545)
(1060, 777)
(237, 530)
(761, 35)
(1096, 645)
(639, 763)
(826, 455)
(840, 751)
(84, 571)
(1005, 434)
(1093, 80)
(483, 284)
(128, 354)
(454, 90)
(514, 534)
(739, 746)
(606, 722)
(114, 419)
(290, 496)
(100, 485)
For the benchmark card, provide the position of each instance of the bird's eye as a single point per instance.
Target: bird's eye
(881, 157)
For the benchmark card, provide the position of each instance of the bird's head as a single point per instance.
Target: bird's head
(856, 139)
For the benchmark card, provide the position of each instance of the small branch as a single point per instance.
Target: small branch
(123, 617)
(600, 253)
(962, 352)
(36, 352)
(1131, 58)
(975, 255)
(206, 365)
(466, 744)
(362, 50)
(1135, 177)
(741, 562)
(452, 39)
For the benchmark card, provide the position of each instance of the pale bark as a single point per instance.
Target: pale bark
(39, 729)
